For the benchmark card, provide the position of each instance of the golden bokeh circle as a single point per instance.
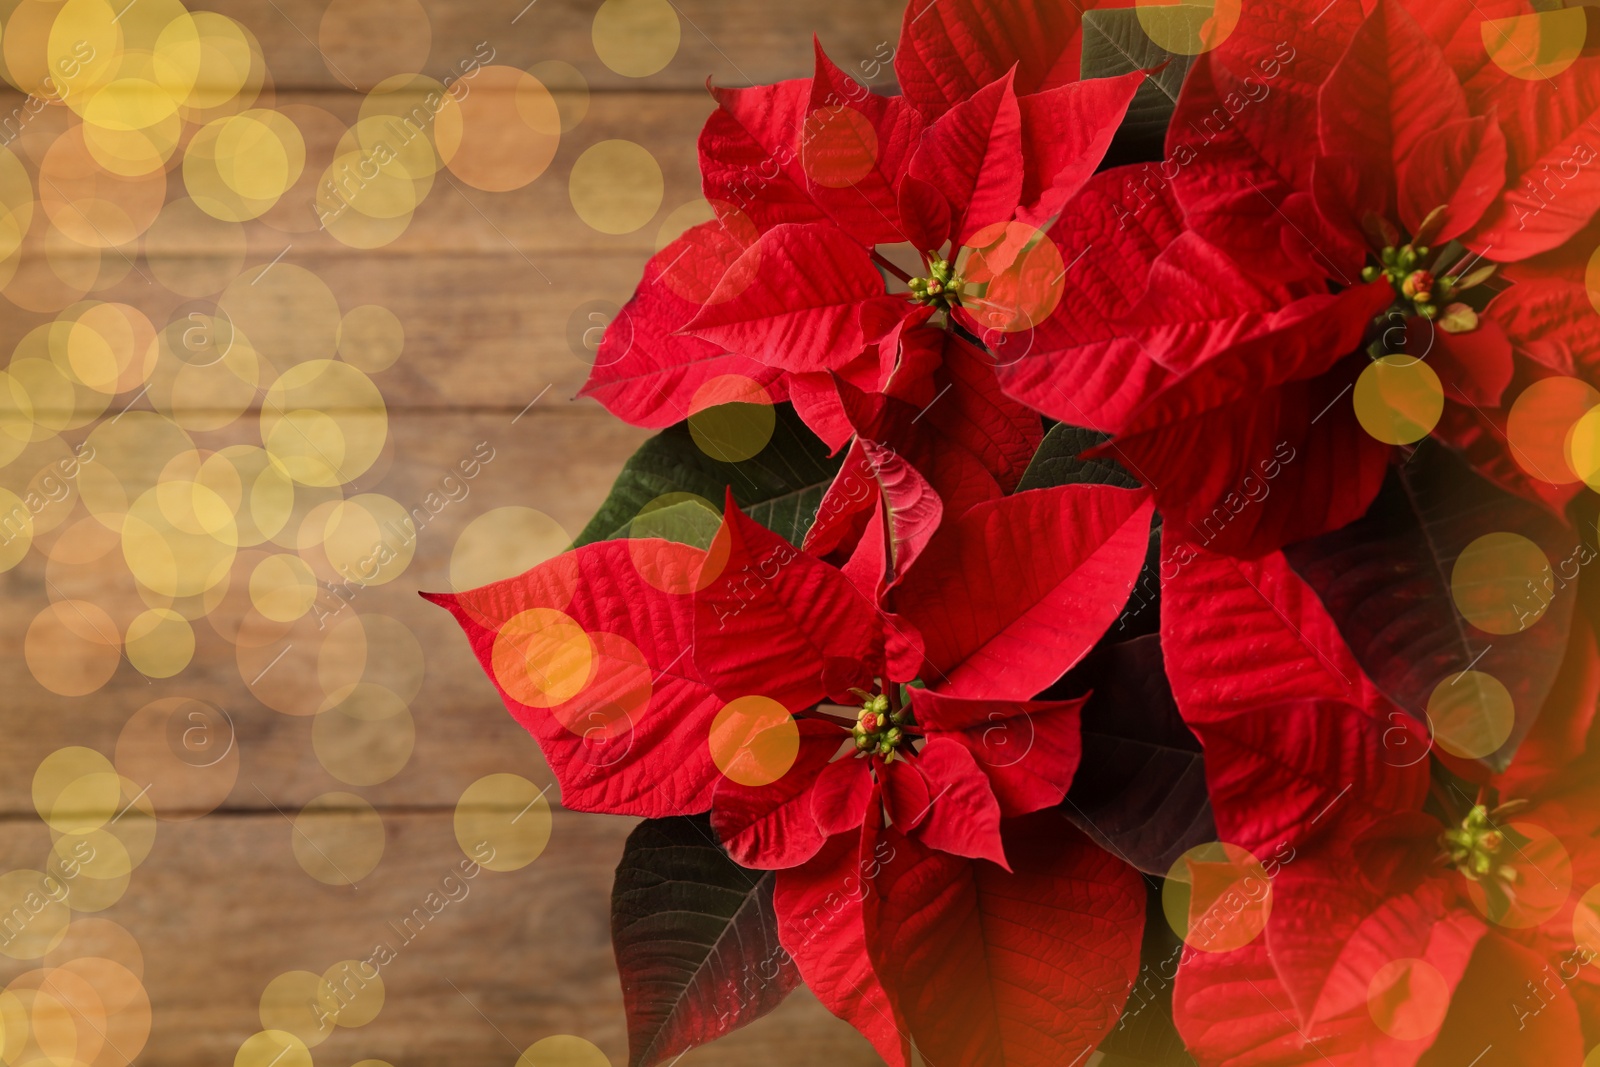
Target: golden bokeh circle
(1190, 28)
(1408, 999)
(1472, 714)
(503, 134)
(338, 838)
(1398, 399)
(292, 1003)
(563, 1050)
(76, 789)
(273, 1048)
(1586, 920)
(366, 738)
(1539, 427)
(40, 901)
(1582, 447)
(282, 587)
(502, 822)
(838, 147)
(1217, 897)
(1500, 583)
(636, 38)
(502, 543)
(72, 647)
(324, 422)
(349, 995)
(732, 418)
(183, 753)
(542, 657)
(616, 186)
(569, 87)
(754, 740)
(1543, 880)
(1538, 46)
(371, 338)
(159, 643)
(686, 522)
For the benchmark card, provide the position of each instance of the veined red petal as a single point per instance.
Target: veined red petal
(993, 629)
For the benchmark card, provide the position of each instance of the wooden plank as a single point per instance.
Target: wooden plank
(480, 331)
(452, 217)
(221, 907)
(733, 42)
(559, 462)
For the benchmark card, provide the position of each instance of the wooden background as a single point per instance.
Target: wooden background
(484, 285)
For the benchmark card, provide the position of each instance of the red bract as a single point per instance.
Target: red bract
(808, 178)
(1378, 948)
(1293, 159)
(938, 767)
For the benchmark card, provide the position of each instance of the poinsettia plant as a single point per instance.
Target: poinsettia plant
(1154, 620)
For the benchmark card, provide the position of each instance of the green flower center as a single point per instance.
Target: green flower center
(1419, 291)
(941, 288)
(878, 730)
(1476, 849)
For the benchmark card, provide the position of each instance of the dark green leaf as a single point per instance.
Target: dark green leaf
(1057, 462)
(1140, 790)
(1386, 581)
(696, 939)
(1145, 1035)
(1114, 42)
(780, 487)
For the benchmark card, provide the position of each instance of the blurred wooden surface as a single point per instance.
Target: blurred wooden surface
(485, 285)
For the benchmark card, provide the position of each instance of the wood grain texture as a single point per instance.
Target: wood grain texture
(732, 41)
(220, 908)
(487, 287)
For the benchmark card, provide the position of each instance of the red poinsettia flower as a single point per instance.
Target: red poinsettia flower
(1405, 911)
(661, 679)
(814, 182)
(1355, 186)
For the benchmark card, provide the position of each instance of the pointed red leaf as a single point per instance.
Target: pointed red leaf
(971, 409)
(1205, 442)
(794, 300)
(773, 826)
(854, 147)
(994, 969)
(645, 371)
(1329, 934)
(1028, 749)
(1290, 773)
(1551, 321)
(1494, 1008)
(950, 49)
(1459, 166)
(821, 924)
(778, 623)
(1065, 134)
(973, 156)
(842, 794)
(1232, 1012)
(1391, 89)
(1238, 635)
(912, 508)
(963, 814)
(749, 153)
(1081, 365)
(997, 629)
(1553, 175)
(632, 739)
